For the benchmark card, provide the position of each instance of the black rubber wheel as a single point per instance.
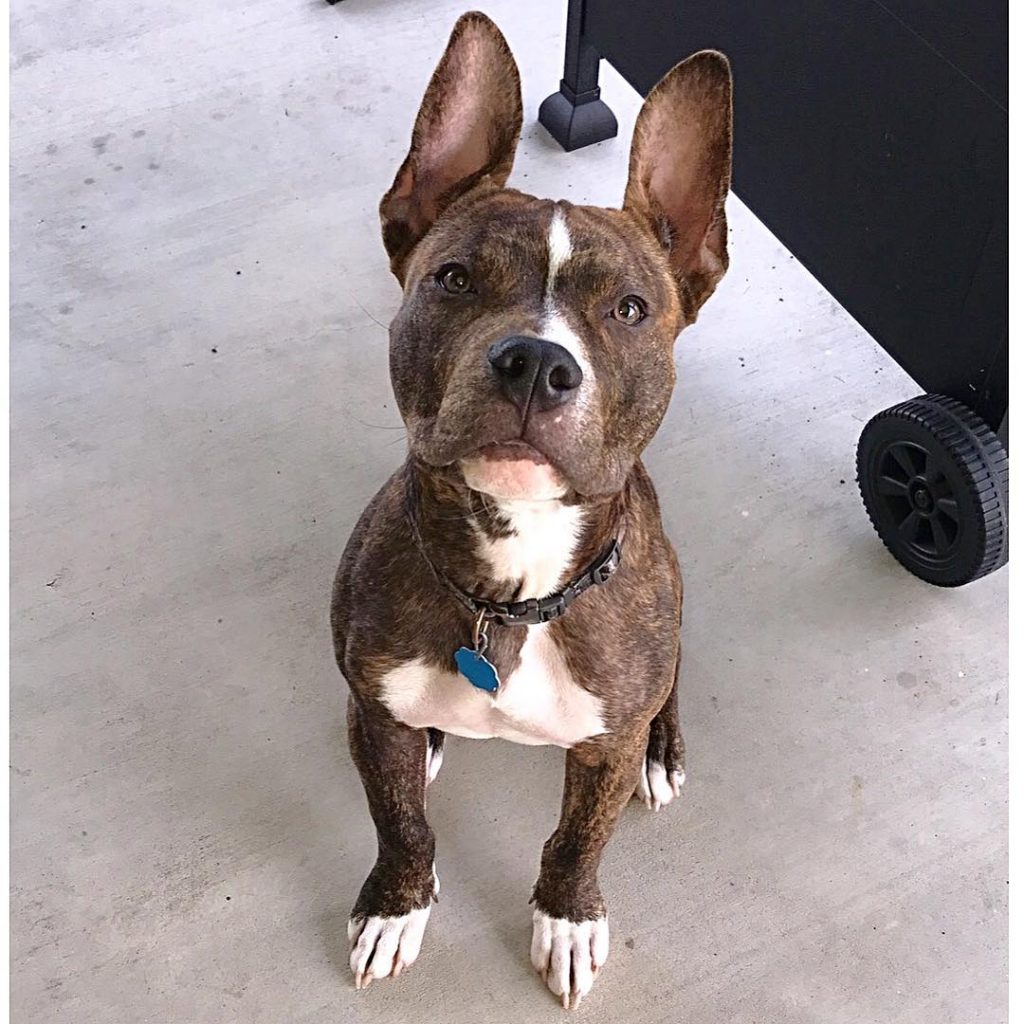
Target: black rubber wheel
(935, 483)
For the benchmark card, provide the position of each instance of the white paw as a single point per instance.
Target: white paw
(435, 755)
(383, 947)
(657, 788)
(568, 954)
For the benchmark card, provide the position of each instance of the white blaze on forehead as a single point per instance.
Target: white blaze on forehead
(559, 248)
(556, 326)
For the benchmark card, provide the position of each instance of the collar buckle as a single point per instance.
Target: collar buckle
(553, 608)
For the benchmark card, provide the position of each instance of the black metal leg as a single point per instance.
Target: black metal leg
(575, 115)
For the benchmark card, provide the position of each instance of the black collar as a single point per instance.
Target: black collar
(533, 610)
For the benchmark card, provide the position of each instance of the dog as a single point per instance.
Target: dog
(513, 579)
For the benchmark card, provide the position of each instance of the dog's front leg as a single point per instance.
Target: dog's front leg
(389, 917)
(570, 924)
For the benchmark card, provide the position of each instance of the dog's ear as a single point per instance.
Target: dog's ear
(466, 132)
(679, 168)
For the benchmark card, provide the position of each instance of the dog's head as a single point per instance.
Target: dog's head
(533, 348)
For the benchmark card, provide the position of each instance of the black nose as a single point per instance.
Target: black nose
(534, 372)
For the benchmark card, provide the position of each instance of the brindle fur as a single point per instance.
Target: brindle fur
(620, 641)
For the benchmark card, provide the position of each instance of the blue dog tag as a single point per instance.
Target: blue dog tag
(477, 669)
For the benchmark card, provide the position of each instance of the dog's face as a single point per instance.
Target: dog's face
(533, 349)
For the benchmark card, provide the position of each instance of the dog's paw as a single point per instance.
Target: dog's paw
(383, 947)
(657, 787)
(568, 954)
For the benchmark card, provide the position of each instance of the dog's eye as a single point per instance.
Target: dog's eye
(630, 310)
(454, 278)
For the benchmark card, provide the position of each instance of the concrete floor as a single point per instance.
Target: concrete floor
(200, 411)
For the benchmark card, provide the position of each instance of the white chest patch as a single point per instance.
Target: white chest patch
(538, 704)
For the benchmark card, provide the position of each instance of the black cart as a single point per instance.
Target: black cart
(872, 140)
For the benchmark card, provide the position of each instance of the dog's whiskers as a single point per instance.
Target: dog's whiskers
(456, 519)
(380, 426)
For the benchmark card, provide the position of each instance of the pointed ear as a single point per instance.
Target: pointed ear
(466, 132)
(679, 170)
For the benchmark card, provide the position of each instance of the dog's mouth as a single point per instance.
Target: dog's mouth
(512, 471)
(501, 451)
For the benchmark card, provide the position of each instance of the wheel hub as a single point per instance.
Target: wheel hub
(920, 501)
(921, 496)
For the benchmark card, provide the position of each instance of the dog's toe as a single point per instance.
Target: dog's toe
(383, 947)
(568, 954)
(658, 787)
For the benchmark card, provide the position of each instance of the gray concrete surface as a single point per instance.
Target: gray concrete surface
(200, 410)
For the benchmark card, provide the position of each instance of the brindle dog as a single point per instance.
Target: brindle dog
(532, 363)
